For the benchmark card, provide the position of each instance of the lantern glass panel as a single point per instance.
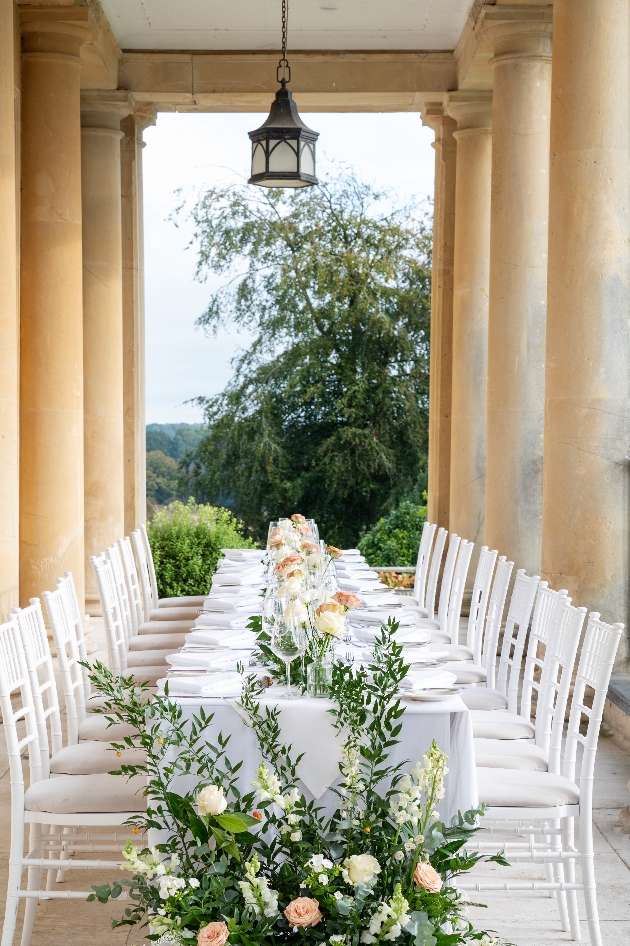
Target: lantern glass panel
(308, 159)
(283, 157)
(258, 158)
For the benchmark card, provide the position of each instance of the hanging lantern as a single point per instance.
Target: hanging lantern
(283, 148)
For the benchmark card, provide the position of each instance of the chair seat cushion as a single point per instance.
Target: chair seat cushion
(93, 758)
(483, 698)
(510, 754)
(80, 794)
(147, 658)
(454, 651)
(149, 675)
(175, 614)
(95, 702)
(513, 788)
(499, 724)
(96, 727)
(157, 642)
(186, 601)
(165, 627)
(429, 623)
(466, 671)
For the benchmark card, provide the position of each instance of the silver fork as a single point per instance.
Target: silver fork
(349, 657)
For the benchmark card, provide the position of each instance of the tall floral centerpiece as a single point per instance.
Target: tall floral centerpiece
(260, 865)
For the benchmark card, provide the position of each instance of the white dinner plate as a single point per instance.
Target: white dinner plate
(429, 696)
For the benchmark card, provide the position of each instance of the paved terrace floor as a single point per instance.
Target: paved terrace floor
(519, 918)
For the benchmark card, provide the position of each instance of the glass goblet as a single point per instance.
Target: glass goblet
(288, 641)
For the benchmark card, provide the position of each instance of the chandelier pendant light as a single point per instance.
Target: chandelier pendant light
(283, 149)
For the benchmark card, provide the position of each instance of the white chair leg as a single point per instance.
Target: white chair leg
(11, 908)
(64, 856)
(557, 873)
(568, 842)
(34, 881)
(588, 879)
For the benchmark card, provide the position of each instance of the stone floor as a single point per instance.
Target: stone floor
(518, 918)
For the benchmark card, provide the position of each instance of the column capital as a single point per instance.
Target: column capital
(433, 115)
(104, 109)
(55, 31)
(145, 114)
(471, 109)
(517, 32)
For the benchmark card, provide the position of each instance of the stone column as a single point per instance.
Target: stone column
(9, 318)
(587, 406)
(51, 383)
(518, 279)
(439, 489)
(101, 114)
(472, 111)
(133, 315)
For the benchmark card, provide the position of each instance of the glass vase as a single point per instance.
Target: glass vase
(319, 676)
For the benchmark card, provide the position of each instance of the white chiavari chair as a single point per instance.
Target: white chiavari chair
(183, 601)
(170, 620)
(435, 562)
(422, 565)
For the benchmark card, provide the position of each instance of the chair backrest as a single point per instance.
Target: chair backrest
(422, 564)
(136, 604)
(494, 619)
(130, 619)
(479, 601)
(457, 589)
(515, 636)
(41, 673)
(594, 669)
(149, 554)
(434, 572)
(545, 621)
(556, 679)
(68, 657)
(112, 616)
(143, 573)
(447, 581)
(71, 604)
(16, 702)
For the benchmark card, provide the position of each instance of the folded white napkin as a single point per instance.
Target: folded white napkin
(369, 633)
(381, 615)
(429, 679)
(217, 661)
(411, 655)
(244, 554)
(355, 574)
(220, 684)
(230, 619)
(352, 552)
(233, 603)
(237, 578)
(212, 637)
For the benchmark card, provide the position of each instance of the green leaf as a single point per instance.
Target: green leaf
(235, 821)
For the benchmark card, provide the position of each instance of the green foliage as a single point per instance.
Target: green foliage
(162, 478)
(328, 407)
(174, 440)
(395, 538)
(186, 541)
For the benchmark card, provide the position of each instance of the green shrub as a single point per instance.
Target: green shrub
(186, 541)
(395, 538)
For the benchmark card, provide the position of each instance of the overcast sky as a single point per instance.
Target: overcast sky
(189, 152)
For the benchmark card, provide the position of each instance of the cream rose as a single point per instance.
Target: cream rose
(330, 622)
(303, 911)
(214, 934)
(361, 868)
(296, 611)
(426, 876)
(211, 800)
(291, 587)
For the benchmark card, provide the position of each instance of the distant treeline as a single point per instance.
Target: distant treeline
(166, 445)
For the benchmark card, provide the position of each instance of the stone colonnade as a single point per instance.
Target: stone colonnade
(540, 370)
(71, 326)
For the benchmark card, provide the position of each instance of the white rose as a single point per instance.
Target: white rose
(362, 868)
(290, 588)
(211, 800)
(282, 552)
(331, 623)
(296, 611)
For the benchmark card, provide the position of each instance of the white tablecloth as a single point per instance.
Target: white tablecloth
(307, 725)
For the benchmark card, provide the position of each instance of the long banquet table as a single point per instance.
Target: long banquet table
(307, 725)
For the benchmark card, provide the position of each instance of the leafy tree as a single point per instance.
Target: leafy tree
(174, 440)
(327, 410)
(159, 440)
(162, 480)
(395, 538)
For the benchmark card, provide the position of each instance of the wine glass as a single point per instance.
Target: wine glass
(272, 525)
(288, 641)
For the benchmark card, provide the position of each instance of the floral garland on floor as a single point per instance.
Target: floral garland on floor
(269, 866)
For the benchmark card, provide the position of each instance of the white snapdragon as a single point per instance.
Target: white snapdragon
(388, 921)
(266, 784)
(258, 896)
(318, 861)
(171, 885)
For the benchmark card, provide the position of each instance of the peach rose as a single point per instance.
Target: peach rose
(276, 542)
(304, 530)
(214, 934)
(303, 911)
(333, 606)
(288, 565)
(426, 876)
(334, 552)
(298, 517)
(347, 599)
(311, 548)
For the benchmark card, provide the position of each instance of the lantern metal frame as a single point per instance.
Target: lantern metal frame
(284, 135)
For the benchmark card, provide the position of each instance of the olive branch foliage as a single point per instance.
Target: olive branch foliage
(281, 833)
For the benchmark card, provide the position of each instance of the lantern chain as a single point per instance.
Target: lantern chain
(283, 65)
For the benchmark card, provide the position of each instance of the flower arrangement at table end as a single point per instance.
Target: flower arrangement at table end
(379, 870)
